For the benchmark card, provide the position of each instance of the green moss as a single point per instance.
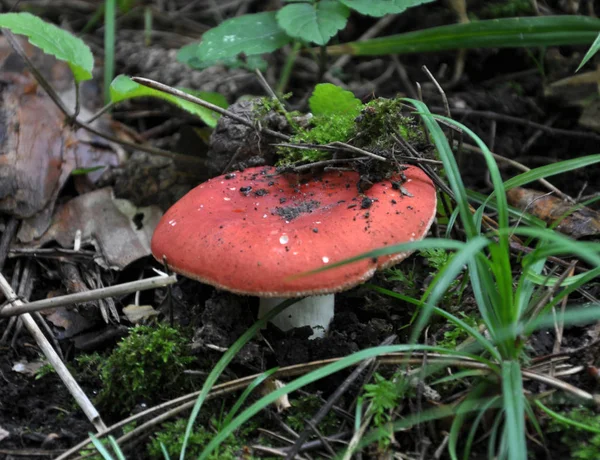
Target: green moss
(382, 119)
(506, 9)
(373, 129)
(145, 367)
(305, 408)
(582, 444)
(322, 130)
(172, 434)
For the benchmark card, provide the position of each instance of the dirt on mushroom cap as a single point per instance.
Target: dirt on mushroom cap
(227, 234)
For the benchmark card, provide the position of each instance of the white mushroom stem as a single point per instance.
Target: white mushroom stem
(315, 311)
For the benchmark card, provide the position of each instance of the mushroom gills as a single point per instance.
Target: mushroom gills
(314, 311)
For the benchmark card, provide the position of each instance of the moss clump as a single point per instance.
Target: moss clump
(373, 129)
(172, 435)
(582, 444)
(382, 119)
(145, 367)
(305, 408)
(506, 9)
(322, 130)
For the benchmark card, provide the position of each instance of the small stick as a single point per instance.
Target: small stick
(215, 108)
(87, 296)
(351, 148)
(325, 408)
(60, 368)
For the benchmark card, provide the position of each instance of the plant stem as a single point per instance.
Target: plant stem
(286, 72)
(109, 46)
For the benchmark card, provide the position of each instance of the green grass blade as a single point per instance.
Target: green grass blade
(224, 362)
(514, 423)
(473, 332)
(475, 424)
(311, 377)
(566, 420)
(102, 450)
(117, 450)
(450, 167)
(110, 25)
(593, 50)
(249, 389)
(551, 170)
(429, 243)
(493, 33)
(444, 278)
(427, 415)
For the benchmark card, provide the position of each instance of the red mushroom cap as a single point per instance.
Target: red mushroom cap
(250, 232)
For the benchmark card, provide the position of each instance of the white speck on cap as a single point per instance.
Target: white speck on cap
(283, 239)
(325, 259)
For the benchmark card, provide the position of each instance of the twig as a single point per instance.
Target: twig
(351, 148)
(325, 408)
(187, 401)
(520, 121)
(215, 108)
(521, 167)
(7, 235)
(111, 291)
(60, 368)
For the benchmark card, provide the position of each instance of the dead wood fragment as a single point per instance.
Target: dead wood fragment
(574, 220)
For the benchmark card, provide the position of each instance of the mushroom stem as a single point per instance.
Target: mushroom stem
(314, 311)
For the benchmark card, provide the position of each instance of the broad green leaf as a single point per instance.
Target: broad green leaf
(328, 99)
(593, 50)
(188, 55)
(249, 34)
(494, 33)
(52, 40)
(315, 23)
(123, 88)
(382, 7)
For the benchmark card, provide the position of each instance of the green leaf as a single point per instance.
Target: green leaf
(249, 34)
(494, 33)
(123, 88)
(83, 171)
(512, 394)
(52, 40)
(315, 23)
(328, 99)
(188, 55)
(593, 50)
(382, 7)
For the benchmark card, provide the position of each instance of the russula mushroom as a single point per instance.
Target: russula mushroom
(251, 232)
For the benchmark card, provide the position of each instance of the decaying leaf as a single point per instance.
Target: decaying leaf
(68, 322)
(28, 368)
(575, 221)
(139, 313)
(269, 386)
(119, 231)
(38, 148)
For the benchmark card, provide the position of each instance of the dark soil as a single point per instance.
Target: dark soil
(40, 415)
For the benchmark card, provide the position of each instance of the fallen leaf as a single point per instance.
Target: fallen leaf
(69, 322)
(269, 386)
(38, 148)
(119, 231)
(138, 313)
(3, 434)
(28, 368)
(580, 221)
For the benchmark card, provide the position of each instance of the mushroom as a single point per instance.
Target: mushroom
(252, 232)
